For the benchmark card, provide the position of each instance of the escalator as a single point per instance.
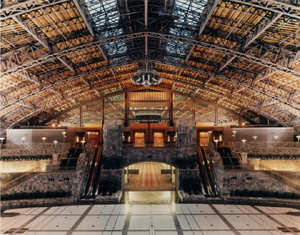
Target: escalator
(203, 176)
(207, 174)
(229, 160)
(71, 160)
(93, 174)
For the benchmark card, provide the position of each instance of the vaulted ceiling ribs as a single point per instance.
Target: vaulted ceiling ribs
(242, 54)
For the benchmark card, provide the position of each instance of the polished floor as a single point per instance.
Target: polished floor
(163, 219)
(149, 197)
(150, 177)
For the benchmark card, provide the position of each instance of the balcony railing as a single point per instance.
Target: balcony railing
(33, 149)
(257, 147)
(149, 145)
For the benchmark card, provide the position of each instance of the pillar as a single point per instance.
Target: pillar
(186, 137)
(112, 138)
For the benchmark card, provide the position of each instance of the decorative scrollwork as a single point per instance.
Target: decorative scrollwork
(146, 78)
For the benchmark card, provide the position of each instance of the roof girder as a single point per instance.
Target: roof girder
(284, 99)
(276, 6)
(240, 103)
(253, 59)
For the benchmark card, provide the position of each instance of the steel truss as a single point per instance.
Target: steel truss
(211, 6)
(240, 104)
(26, 7)
(284, 98)
(251, 106)
(275, 6)
(27, 60)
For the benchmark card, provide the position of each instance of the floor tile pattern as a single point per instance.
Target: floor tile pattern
(153, 219)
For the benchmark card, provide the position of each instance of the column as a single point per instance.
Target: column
(112, 138)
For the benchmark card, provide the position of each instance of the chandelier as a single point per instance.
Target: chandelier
(146, 78)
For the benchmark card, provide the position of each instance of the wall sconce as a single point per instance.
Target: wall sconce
(23, 139)
(216, 141)
(44, 139)
(276, 137)
(55, 143)
(244, 141)
(298, 138)
(234, 133)
(254, 137)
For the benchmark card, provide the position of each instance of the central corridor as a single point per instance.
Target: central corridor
(149, 176)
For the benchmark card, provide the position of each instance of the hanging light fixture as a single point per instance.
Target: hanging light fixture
(146, 78)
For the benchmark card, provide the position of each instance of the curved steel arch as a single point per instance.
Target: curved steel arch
(12, 68)
(238, 103)
(75, 106)
(160, 88)
(178, 65)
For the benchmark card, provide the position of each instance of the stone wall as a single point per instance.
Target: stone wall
(67, 181)
(112, 137)
(218, 168)
(253, 180)
(33, 150)
(186, 137)
(134, 155)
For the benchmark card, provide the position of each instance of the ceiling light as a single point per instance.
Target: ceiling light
(146, 78)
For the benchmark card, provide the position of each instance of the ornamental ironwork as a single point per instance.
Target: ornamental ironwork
(146, 78)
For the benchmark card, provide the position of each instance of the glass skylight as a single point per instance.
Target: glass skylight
(104, 16)
(188, 15)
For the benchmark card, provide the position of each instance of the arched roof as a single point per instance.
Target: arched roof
(240, 54)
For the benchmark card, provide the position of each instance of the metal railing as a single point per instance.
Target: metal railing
(149, 145)
(265, 147)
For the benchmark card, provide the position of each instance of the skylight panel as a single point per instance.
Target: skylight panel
(188, 20)
(105, 17)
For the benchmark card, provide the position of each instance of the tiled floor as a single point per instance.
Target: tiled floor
(155, 219)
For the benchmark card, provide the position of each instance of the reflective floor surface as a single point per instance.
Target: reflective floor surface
(149, 177)
(149, 197)
(163, 219)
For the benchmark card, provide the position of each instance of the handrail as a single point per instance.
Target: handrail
(34, 146)
(16, 181)
(265, 147)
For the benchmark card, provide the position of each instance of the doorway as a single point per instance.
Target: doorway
(139, 139)
(149, 182)
(149, 176)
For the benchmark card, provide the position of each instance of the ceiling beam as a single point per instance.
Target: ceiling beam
(86, 22)
(253, 59)
(64, 81)
(31, 30)
(275, 6)
(24, 7)
(189, 68)
(261, 28)
(66, 63)
(211, 6)
(76, 105)
(78, 5)
(42, 40)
